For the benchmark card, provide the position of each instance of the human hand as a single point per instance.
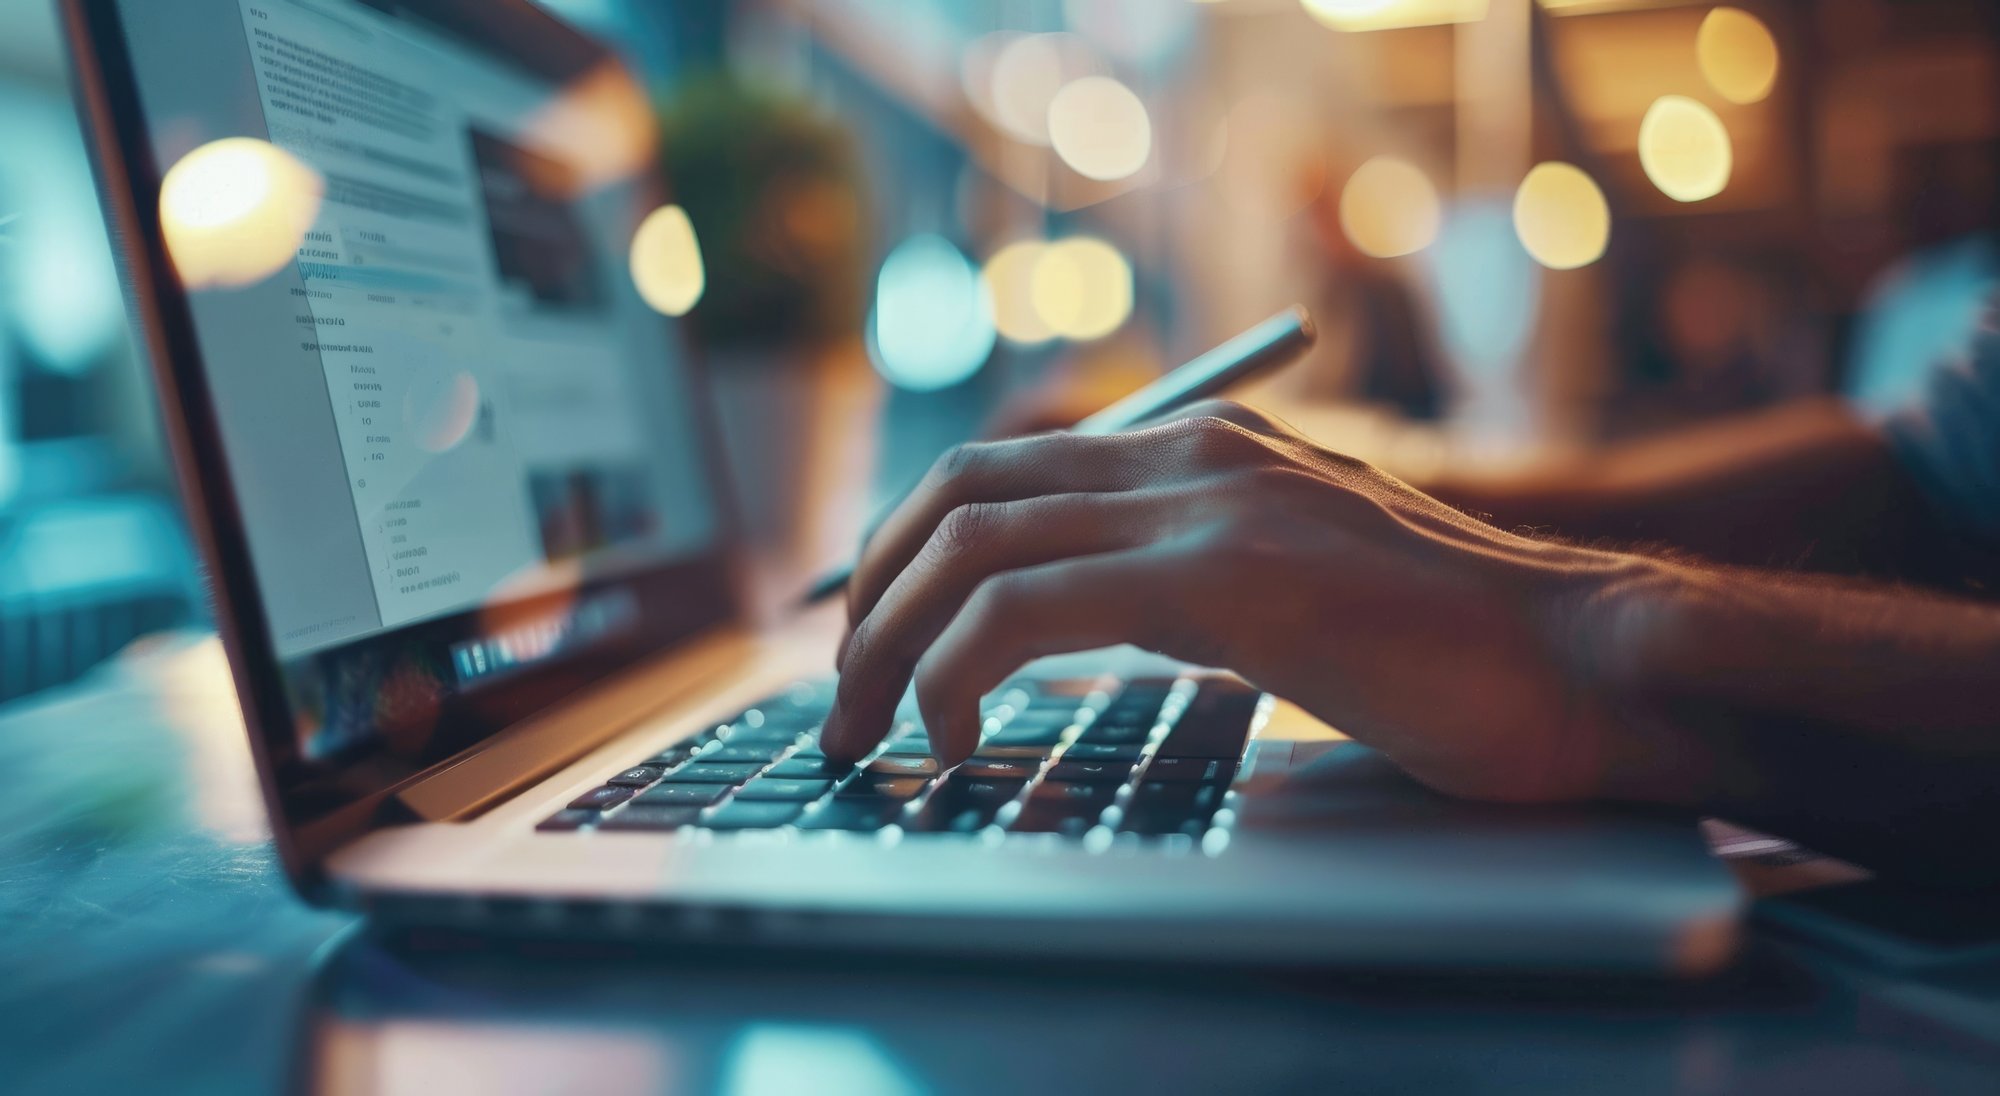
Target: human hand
(1226, 539)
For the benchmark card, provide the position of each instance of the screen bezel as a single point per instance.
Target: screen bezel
(129, 179)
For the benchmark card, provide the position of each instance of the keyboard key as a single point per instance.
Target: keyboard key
(739, 814)
(1028, 731)
(1069, 809)
(802, 791)
(811, 768)
(1114, 771)
(604, 798)
(701, 772)
(1216, 723)
(850, 814)
(642, 816)
(1066, 791)
(909, 746)
(734, 754)
(1140, 690)
(1161, 808)
(683, 795)
(1169, 793)
(1103, 751)
(884, 786)
(1015, 753)
(904, 766)
(743, 737)
(567, 819)
(667, 759)
(1116, 733)
(962, 805)
(1190, 768)
(637, 777)
(997, 769)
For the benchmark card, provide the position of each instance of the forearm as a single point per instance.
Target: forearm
(1803, 485)
(1861, 721)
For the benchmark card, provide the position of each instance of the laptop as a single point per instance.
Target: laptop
(453, 477)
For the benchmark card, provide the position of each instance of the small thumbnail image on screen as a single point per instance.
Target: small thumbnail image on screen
(544, 253)
(388, 693)
(582, 508)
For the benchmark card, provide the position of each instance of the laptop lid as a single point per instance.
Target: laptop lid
(445, 459)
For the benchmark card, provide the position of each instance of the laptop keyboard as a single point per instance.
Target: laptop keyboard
(1125, 762)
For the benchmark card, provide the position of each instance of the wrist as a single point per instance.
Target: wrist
(1617, 634)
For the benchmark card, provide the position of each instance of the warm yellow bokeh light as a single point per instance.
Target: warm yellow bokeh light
(1100, 129)
(1358, 15)
(1010, 281)
(1389, 208)
(1027, 73)
(1738, 56)
(600, 125)
(1561, 217)
(666, 261)
(1082, 288)
(1685, 149)
(235, 211)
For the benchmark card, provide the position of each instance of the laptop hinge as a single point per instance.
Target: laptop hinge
(526, 753)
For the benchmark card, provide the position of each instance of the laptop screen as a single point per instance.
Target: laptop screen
(462, 449)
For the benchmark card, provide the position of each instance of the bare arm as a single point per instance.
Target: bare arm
(1804, 485)
(1860, 719)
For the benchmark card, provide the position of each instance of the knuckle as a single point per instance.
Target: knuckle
(958, 462)
(962, 528)
(992, 599)
(1214, 442)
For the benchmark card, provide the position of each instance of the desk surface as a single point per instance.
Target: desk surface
(151, 943)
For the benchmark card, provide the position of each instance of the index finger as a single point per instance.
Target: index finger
(1000, 471)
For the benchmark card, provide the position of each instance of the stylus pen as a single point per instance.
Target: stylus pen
(1272, 343)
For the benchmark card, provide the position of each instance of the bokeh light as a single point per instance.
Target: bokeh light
(1027, 72)
(1100, 129)
(602, 126)
(234, 211)
(1561, 217)
(440, 407)
(1389, 208)
(666, 261)
(1685, 149)
(976, 68)
(1738, 56)
(1082, 288)
(1359, 15)
(1010, 282)
(933, 322)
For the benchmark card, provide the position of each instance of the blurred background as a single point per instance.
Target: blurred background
(1528, 228)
